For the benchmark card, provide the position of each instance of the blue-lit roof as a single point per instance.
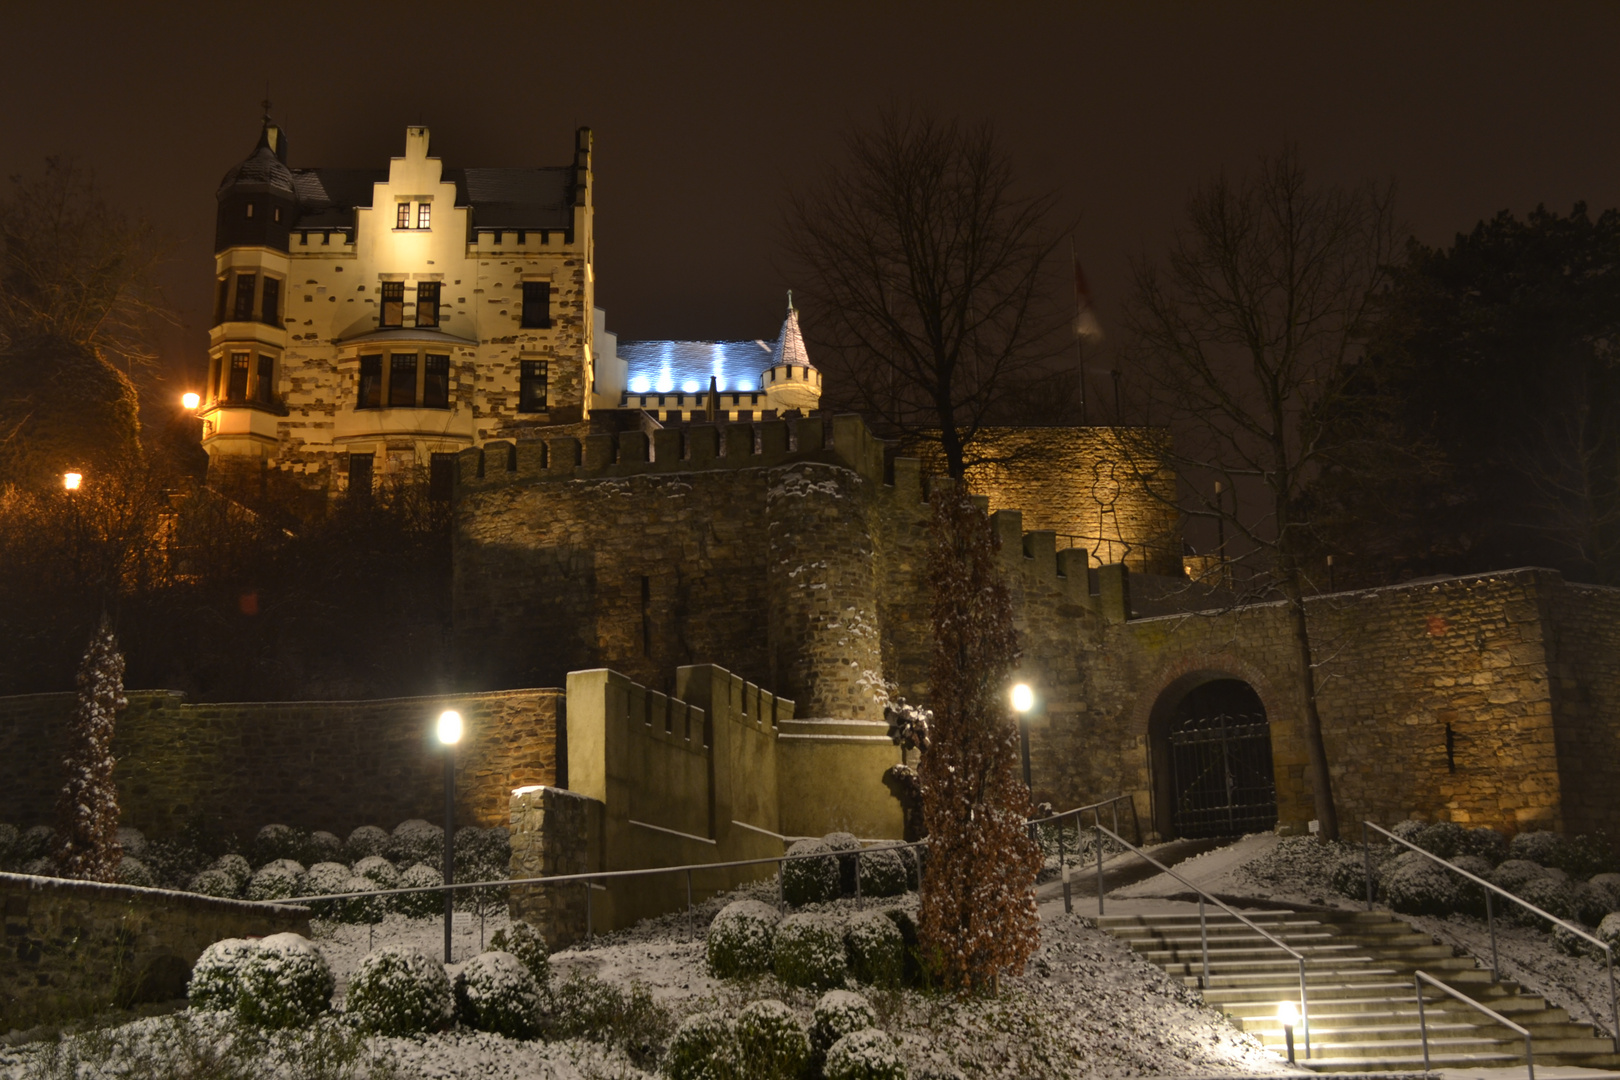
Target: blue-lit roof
(685, 367)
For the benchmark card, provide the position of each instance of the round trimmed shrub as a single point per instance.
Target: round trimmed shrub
(36, 843)
(1549, 894)
(883, 873)
(524, 942)
(379, 870)
(418, 905)
(285, 983)
(838, 1013)
(1400, 859)
(175, 860)
(364, 841)
(1408, 830)
(808, 951)
(359, 909)
(1593, 902)
(416, 841)
(236, 866)
(398, 991)
(1442, 838)
(1484, 842)
(215, 883)
(740, 938)
(810, 880)
(875, 949)
(908, 855)
(701, 1049)
(1514, 874)
(1540, 846)
(1583, 856)
(495, 992)
(131, 871)
(41, 867)
(482, 854)
(323, 846)
(132, 841)
(865, 1055)
(216, 977)
(1471, 897)
(1559, 873)
(1424, 888)
(770, 1043)
(1349, 874)
(275, 842)
(323, 879)
(847, 848)
(1608, 930)
(1609, 883)
(9, 836)
(1572, 944)
(278, 880)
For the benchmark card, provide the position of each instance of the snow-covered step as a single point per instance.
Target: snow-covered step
(1358, 969)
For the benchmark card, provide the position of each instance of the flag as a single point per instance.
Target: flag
(1085, 316)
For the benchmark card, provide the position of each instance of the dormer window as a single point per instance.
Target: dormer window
(402, 216)
(424, 215)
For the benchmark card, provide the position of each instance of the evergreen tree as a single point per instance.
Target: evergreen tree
(87, 809)
(978, 916)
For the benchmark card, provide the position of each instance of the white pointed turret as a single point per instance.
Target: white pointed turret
(791, 381)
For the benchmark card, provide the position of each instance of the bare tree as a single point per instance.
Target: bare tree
(928, 273)
(1246, 334)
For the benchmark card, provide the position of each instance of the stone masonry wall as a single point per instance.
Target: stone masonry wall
(75, 947)
(554, 833)
(1585, 650)
(322, 765)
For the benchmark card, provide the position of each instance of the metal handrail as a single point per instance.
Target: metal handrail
(1203, 924)
(1421, 977)
(1490, 914)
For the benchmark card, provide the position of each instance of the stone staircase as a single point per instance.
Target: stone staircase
(1358, 971)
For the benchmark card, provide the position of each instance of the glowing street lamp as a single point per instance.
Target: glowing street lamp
(190, 401)
(449, 731)
(1023, 700)
(72, 480)
(1288, 1016)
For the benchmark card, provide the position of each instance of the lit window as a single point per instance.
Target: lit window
(532, 388)
(403, 218)
(237, 388)
(393, 304)
(370, 382)
(424, 216)
(402, 380)
(427, 303)
(249, 209)
(537, 304)
(436, 382)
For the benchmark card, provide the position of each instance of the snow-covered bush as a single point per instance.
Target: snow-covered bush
(276, 880)
(495, 992)
(846, 847)
(1609, 883)
(1583, 856)
(808, 951)
(770, 1043)
(323, 879)
(1423, 887)
(416, 841)
(323, 846)
(482, 854)
(417, 905)
(285, 983)
(585, 1007)
(701, 1049)
(36, 843)
(1485, 842)
(1349, 875)
(359, 909)
(276, 842)
(1514, 874)
(810, 880)
(236, 866)
(838, 1013)
(1592, 902)
(132, 841)
(9, 836)
(1408, 830)
(883, 873)
(524, 942)
(379, 870)
(398, 991)
(131, 871)
(41, 867)
(1538, 847)
(865, 1055)
(1608, 930)
(908, 856)
(215, 883)
(175, 860)
(740, 938)
(1442, 838)
(1555, 897)
(216, 977)
(908, 933)
(1573, 944)
(875, 949)
(1471, 897)
(364, 841)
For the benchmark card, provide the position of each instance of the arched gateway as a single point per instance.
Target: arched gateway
(1211, 752)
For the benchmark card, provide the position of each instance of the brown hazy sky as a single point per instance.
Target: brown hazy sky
(704, 113)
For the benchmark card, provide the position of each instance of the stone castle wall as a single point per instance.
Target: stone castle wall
(320, 765)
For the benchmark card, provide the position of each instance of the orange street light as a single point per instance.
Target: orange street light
(190, 400)
(72, 480)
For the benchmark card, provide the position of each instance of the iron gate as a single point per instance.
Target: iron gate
(1220, 768)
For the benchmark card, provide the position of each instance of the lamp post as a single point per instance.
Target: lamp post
(1023, 700)
(449, 735)
(1288, 1016)
(72, 480)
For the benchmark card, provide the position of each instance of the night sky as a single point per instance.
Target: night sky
(705, 114)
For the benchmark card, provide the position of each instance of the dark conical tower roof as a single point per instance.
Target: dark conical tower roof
(266, 168)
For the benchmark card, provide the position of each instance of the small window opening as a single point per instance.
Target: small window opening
(402, 217)
(424, 215)
(370, 396)
(402, 380)
(392, 313)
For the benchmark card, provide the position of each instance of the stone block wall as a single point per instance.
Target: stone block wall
(329, 765)
(74, 947)
(554, 833)
(1583, 646)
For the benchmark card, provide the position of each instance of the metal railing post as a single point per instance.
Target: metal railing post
(691, 924)
(1366, 855)
(1490, 923)
(857, 879)
(589, 929)
(1305, 1008)
(781, 888)
(1614, 1007)
(1423, 1021)
(1203, 936)
(1422, 978)
(1099, 872)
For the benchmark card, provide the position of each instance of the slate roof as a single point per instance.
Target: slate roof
(674, 367)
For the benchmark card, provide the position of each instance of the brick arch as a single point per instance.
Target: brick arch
(1154, 706)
